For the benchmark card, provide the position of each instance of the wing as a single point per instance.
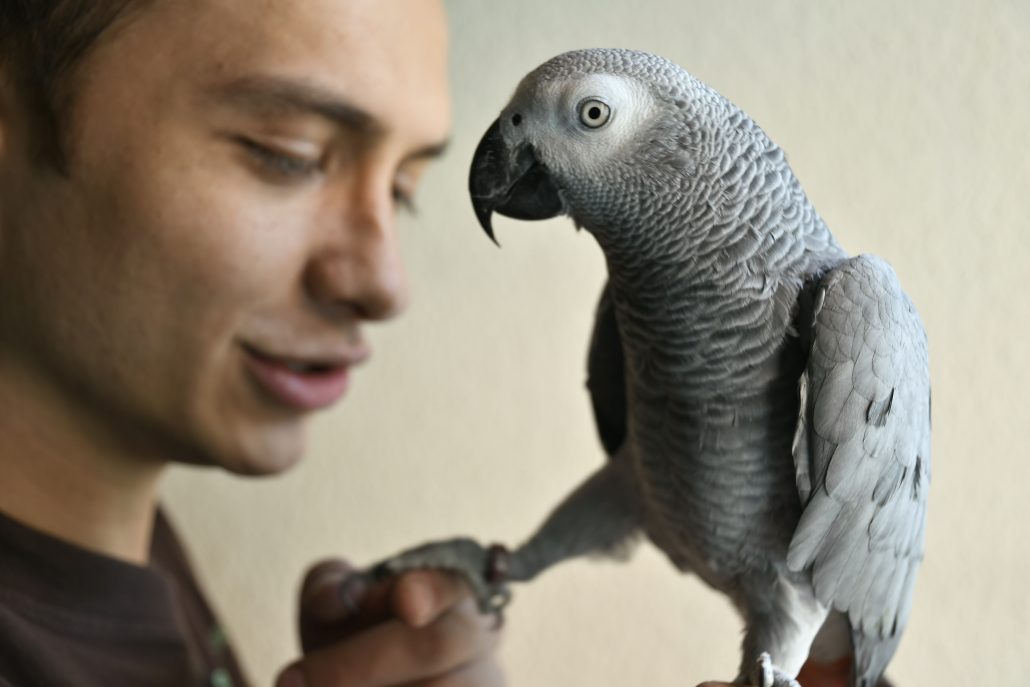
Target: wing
(606, 378)
(862, 453)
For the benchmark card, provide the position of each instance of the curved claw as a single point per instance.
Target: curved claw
(500, 598)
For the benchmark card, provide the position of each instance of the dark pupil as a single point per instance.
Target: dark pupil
(594, 112)
(516, 119)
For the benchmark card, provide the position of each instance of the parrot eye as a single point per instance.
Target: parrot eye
(594, 113)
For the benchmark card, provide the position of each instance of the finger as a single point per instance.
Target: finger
(394, 653)
(481, 673)
(422, 596)
(821, 674)
(335, 603)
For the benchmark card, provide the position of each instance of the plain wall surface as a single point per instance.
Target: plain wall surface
(907, 123)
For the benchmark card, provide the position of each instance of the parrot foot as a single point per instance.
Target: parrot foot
(765, 674)
(485, 569)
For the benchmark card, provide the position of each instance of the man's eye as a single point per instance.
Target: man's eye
(404, 200)
(278, 163)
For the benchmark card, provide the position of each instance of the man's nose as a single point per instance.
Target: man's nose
(360, 269)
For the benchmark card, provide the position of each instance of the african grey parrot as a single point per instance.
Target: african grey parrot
(763, 398)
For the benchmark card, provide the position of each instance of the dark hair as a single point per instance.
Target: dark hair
(41, 42)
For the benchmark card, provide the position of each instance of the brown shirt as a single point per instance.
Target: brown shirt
(70, 617)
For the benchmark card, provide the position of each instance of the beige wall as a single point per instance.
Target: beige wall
(908, 125)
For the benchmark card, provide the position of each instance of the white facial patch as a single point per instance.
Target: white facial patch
(561, 119)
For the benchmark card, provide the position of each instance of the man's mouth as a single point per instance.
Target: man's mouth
(305, 368)
(301, 382)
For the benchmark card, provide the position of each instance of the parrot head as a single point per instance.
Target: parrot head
(593, 134)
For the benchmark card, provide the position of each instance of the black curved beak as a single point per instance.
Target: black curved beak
(511, 182)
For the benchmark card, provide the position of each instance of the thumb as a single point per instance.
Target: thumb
(321, 597)
(336, 601)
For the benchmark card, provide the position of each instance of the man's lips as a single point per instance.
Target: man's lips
(304, 383)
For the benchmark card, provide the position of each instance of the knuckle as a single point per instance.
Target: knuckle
(333, 674)
(456, 638)
(439, 645)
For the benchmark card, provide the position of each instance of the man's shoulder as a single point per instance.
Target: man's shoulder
(69, 616)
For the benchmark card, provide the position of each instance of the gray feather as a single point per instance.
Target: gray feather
(606, 376)
(861, 533)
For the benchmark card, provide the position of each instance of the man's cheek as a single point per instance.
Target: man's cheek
(244, 241)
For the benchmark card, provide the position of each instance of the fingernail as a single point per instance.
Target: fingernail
(292, 677)
(421, 610)
(419, 603)
(323, 599)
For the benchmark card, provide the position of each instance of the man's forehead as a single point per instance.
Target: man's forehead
(383, 58)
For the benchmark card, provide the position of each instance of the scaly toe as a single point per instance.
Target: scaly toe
(768, 675)
(477, 565)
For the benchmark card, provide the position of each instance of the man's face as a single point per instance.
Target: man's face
(200, 280)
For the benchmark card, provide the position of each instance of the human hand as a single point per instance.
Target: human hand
(422, 628)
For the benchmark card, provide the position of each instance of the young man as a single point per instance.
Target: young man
(197, 206)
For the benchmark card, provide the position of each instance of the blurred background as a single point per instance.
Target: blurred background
(907, 123)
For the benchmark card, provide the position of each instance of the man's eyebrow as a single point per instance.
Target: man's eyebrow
(429, 152)
(275, 95)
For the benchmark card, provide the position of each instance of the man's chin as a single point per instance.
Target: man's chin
(261, 466)
(268, 452)
(253, 451)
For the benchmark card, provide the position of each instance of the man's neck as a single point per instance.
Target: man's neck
(59, 479)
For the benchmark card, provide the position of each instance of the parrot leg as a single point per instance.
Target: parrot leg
(602, 516)
(599, 516)
(765, 674)
(780, 627)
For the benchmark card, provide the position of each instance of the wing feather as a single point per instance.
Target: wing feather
(863, 456)
(606, 378)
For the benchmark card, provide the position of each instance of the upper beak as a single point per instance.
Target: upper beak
(510, 181)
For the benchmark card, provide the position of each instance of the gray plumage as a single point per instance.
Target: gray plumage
(764, 398)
